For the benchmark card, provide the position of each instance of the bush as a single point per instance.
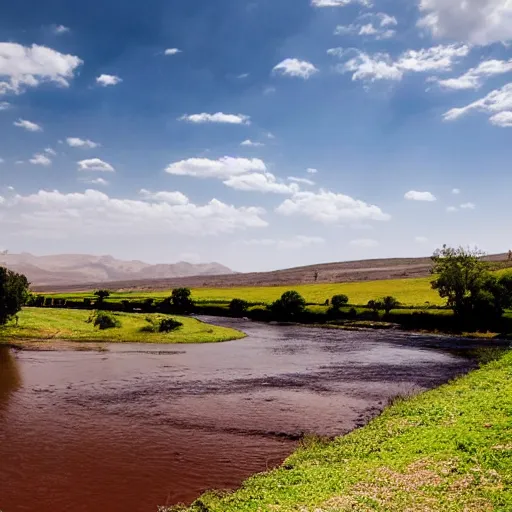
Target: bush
(238, 307)
(168, 325)
(181, 300)
(389, 303)
(13, 294)
(339, 301)
(290, 305)
(104, 320)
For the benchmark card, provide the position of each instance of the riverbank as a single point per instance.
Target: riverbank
(447, 449)
(46, 327)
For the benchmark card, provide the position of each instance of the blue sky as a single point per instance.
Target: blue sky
(271, 133)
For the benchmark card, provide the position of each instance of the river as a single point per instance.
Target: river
(136, 426)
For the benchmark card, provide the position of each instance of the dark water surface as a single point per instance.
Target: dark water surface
(145, 425)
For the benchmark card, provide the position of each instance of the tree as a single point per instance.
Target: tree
(339, 301)
(13, 294)
(375, 306)
(290, 305)
(238, 307)
(389, 303)
(102, 295)
(181, 300)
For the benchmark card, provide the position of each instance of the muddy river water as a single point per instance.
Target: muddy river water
(137, 426)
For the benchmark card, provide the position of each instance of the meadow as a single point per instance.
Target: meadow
(73, 325)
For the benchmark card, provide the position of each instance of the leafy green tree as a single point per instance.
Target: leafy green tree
(389, 303)
(375, 306)
(290, 305)
(339, 301)
(238, 307)
(102, 295)
(181, 300)
(13, 294)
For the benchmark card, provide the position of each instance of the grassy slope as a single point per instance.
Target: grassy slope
(65, 324)
(448, 449)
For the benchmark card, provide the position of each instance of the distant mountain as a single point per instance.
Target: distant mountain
(68, 269)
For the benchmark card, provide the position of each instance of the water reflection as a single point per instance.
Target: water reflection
(10, 377)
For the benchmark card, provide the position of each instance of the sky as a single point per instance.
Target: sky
(260, 134)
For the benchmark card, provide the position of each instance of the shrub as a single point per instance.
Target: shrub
(290, 305)
(238, 307)
(339, 301)
(389, 303)
(13, 294)
(168, 325)
(104, 320)
(102, 294)
(181, 300)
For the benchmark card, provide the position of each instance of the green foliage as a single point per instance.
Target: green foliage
(290, 305)
(102, 294)
(238, 307)
(181, 299)
(339, 301)
(169, 324)
(375, 305)
(104, 320)
(389, 303)
(13, 294)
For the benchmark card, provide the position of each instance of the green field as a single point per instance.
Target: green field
(72, 325)
(449, 449)
(411, 292)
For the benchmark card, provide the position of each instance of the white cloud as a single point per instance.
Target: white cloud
(218, 117)
(339, 3)
(372, 24)
(270, 135)
(28, 125)
(106, 80)
(95, 164)
(502, 119)
(260, 182)
(467, 206)
(50, 151)
(295, 242)
(92, 212)
(421, 239)
(456, 191)
(243, 75)
(250, 143)
(40, 159)
(223, 168)
(269, 90)
(4, 105)
(451, 209)
(496, 102)
(329, 207)
(98, 181)
(23, 66)
(414, 195)
(61, 29)
(164, 197)
(76, 142)
(476, 21)
(305, 181)
(380, 66)
(365, 243)
(311, 170)
(296, 68)
(172, 51)
(473, 79)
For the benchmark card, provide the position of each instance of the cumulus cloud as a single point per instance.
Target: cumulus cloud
(364, 243)
(414, 195)
(4, 105)
(76, 142)
(29, 66)
(250, 143)
(172, 51)
(376, 25)
(380, 66)
(107, 80)
(502, 119)
(223, 168)
(329, 207)
(260, 182)
(50, 151)
(311, 170)
(295, 242)
(28, 125)
(451, 209)
(339, 3)
(475, 21)
(295, 68)
(52, 212)
(498, 103)
(40, 159)
(98, 181)
(164, 197)
(95, 164)
(467, 206)
(304, 181)
(474, 78)
(60, 29)
(218, 117)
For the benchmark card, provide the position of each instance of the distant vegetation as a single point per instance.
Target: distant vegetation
(13, 294)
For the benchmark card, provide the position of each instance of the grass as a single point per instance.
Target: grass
(412, 292)
(72, 325)
(448, 449)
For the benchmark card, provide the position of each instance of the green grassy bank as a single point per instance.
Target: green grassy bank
(449, 449)
(73, 325)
